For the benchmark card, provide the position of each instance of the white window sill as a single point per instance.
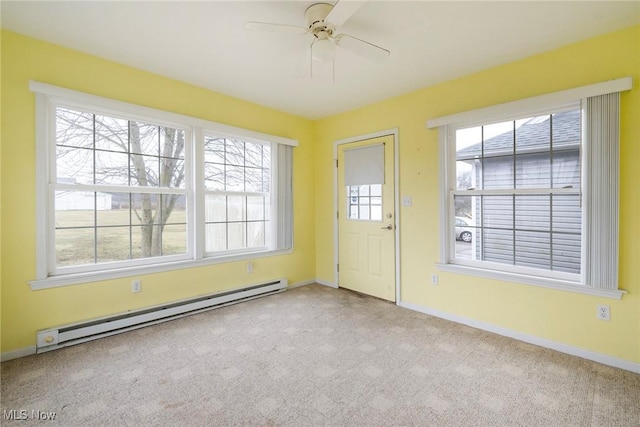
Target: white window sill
(544, 282)
(97, 276)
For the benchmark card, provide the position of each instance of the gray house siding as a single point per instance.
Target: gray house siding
(540, 231)
(545, 230)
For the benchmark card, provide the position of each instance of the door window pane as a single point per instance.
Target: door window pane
(364, 202)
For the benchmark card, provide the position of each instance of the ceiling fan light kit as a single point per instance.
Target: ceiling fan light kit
(323, 50)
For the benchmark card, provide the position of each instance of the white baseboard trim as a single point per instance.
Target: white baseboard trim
(16, 354)
(303, 283)
(531, 339)
(325, 283)
(311, 282)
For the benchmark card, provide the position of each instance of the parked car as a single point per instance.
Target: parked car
(463, 230)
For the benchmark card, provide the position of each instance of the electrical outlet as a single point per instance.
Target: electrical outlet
(434, 279)
(136, 286)
(250, 267)
(603, 312)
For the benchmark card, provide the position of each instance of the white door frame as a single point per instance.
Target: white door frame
(396, 202)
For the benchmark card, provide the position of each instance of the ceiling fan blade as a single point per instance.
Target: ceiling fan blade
(267, 26)
(362, 48)
(343, 10)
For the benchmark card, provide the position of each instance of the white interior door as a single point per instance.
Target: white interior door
(366, 217)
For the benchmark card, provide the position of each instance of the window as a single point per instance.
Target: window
(124, 189)
(237, 198)
(119, 191)
(518, 183)
(529, 190)
(364, 202)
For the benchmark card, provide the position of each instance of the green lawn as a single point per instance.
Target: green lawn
(117, 237)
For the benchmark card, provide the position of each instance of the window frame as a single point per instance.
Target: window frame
(48, 275)
(531, 107)
(273, 206)
(573, 278)
(52, 267)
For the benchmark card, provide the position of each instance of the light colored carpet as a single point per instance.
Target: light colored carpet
(317, 356)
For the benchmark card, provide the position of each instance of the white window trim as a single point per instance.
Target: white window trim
(47, 96)
(107, 105)
(77, 278)
(503, 112)
(543, 282)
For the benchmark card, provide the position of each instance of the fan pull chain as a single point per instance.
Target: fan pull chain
(333, 69)
(311, 60)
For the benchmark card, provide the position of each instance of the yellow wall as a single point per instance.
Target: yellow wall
(25, 311)
(559, 316)
(0, 191)
(563, 317)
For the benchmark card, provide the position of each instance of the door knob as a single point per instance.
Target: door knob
(388, 227)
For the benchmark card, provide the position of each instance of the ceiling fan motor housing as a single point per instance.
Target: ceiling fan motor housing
(315, 16)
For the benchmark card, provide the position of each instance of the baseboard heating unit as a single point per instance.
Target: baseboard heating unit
(63, 336)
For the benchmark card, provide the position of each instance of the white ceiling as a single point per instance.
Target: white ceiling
(205, 43)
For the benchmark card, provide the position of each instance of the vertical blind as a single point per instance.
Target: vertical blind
(602, 114)
(284, 197)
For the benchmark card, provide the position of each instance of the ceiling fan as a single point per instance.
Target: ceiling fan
(323, 21)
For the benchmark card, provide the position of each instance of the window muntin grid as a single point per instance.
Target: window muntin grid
(119, 190)
(519, 183)
(237, 181)
(364, 202)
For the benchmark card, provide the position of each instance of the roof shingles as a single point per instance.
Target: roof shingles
(532, 136)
